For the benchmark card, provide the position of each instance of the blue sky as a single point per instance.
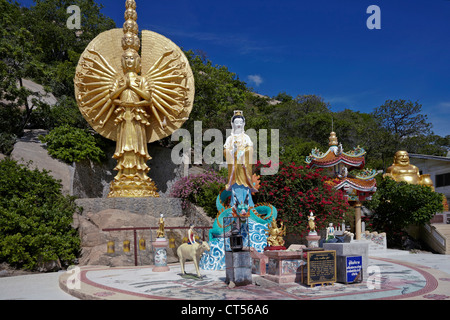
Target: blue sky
(318, 47)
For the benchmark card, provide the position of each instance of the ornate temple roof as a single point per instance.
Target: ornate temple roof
(336, 155)
(363, 181)
(331, 158)
(358, 184)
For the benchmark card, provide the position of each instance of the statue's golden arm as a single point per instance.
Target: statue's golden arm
(168, 85)
(105, 107)
(175, 108)
(116, 90)
(105, 62)
(163, 91)
(97, 66)
(158, 103)
(172, 77)
(99, 72)
(156, 114)
(155, 66)
(164, 72)
(168, 98)
(143, 94)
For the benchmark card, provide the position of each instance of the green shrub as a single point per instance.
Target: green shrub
(206, 198)
(35, 218)
(7, 141)
(73, 144)
(397, 205)
(201, 189)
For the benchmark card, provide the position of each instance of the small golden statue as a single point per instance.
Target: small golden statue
(129, 106)
(160, 232)
(311, 223)
(275, 234)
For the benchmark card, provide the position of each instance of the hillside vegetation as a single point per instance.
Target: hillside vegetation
(37, 45)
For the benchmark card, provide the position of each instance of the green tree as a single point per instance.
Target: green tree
(283, 97)
(36, 44)
(295, 149)
(35, 218)
(217, 93)
(306, 116)
(19, 60)
(398, 120)
(431, 144)
(402, 118)
(397, 205)
(61, 47)
(354, 128)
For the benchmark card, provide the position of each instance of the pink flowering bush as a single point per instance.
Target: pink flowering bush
(297, 190)
(201, 189)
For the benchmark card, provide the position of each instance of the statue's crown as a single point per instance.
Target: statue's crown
(238, 113)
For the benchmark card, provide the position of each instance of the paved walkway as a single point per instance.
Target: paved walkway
(394, 275)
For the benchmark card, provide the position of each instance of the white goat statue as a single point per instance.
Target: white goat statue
(192, 252)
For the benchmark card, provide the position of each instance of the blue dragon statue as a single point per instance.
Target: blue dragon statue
(254, 224)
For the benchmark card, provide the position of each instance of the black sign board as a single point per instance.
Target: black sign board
(321, 267)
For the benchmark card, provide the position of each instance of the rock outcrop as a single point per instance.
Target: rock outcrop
(87, 179)
(112, 213)
(90, 183)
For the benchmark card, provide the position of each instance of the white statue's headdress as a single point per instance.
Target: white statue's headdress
(237, 114)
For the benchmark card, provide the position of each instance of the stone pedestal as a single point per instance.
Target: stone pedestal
(349, 269)
(354, 248)
(377, 241)
(284, 266)
(160, 249)
(259, 262)
(274, 248)
(313, 240)
(238, 267)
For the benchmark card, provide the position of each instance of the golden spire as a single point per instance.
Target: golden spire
(333, 139)
(130, 38)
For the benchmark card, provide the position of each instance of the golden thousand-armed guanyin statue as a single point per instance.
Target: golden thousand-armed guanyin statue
(133, 100)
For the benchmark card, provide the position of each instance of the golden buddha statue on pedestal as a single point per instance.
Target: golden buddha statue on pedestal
(133, 91)
(402, 171)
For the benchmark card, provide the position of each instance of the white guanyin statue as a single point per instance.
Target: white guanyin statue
(253, 220)
(238, 152)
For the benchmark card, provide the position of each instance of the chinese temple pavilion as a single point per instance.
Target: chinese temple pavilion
(348, 173)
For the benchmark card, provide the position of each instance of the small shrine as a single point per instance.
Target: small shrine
(348, 173)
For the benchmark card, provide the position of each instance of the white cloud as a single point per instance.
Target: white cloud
(256, 79)
(444, 107)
